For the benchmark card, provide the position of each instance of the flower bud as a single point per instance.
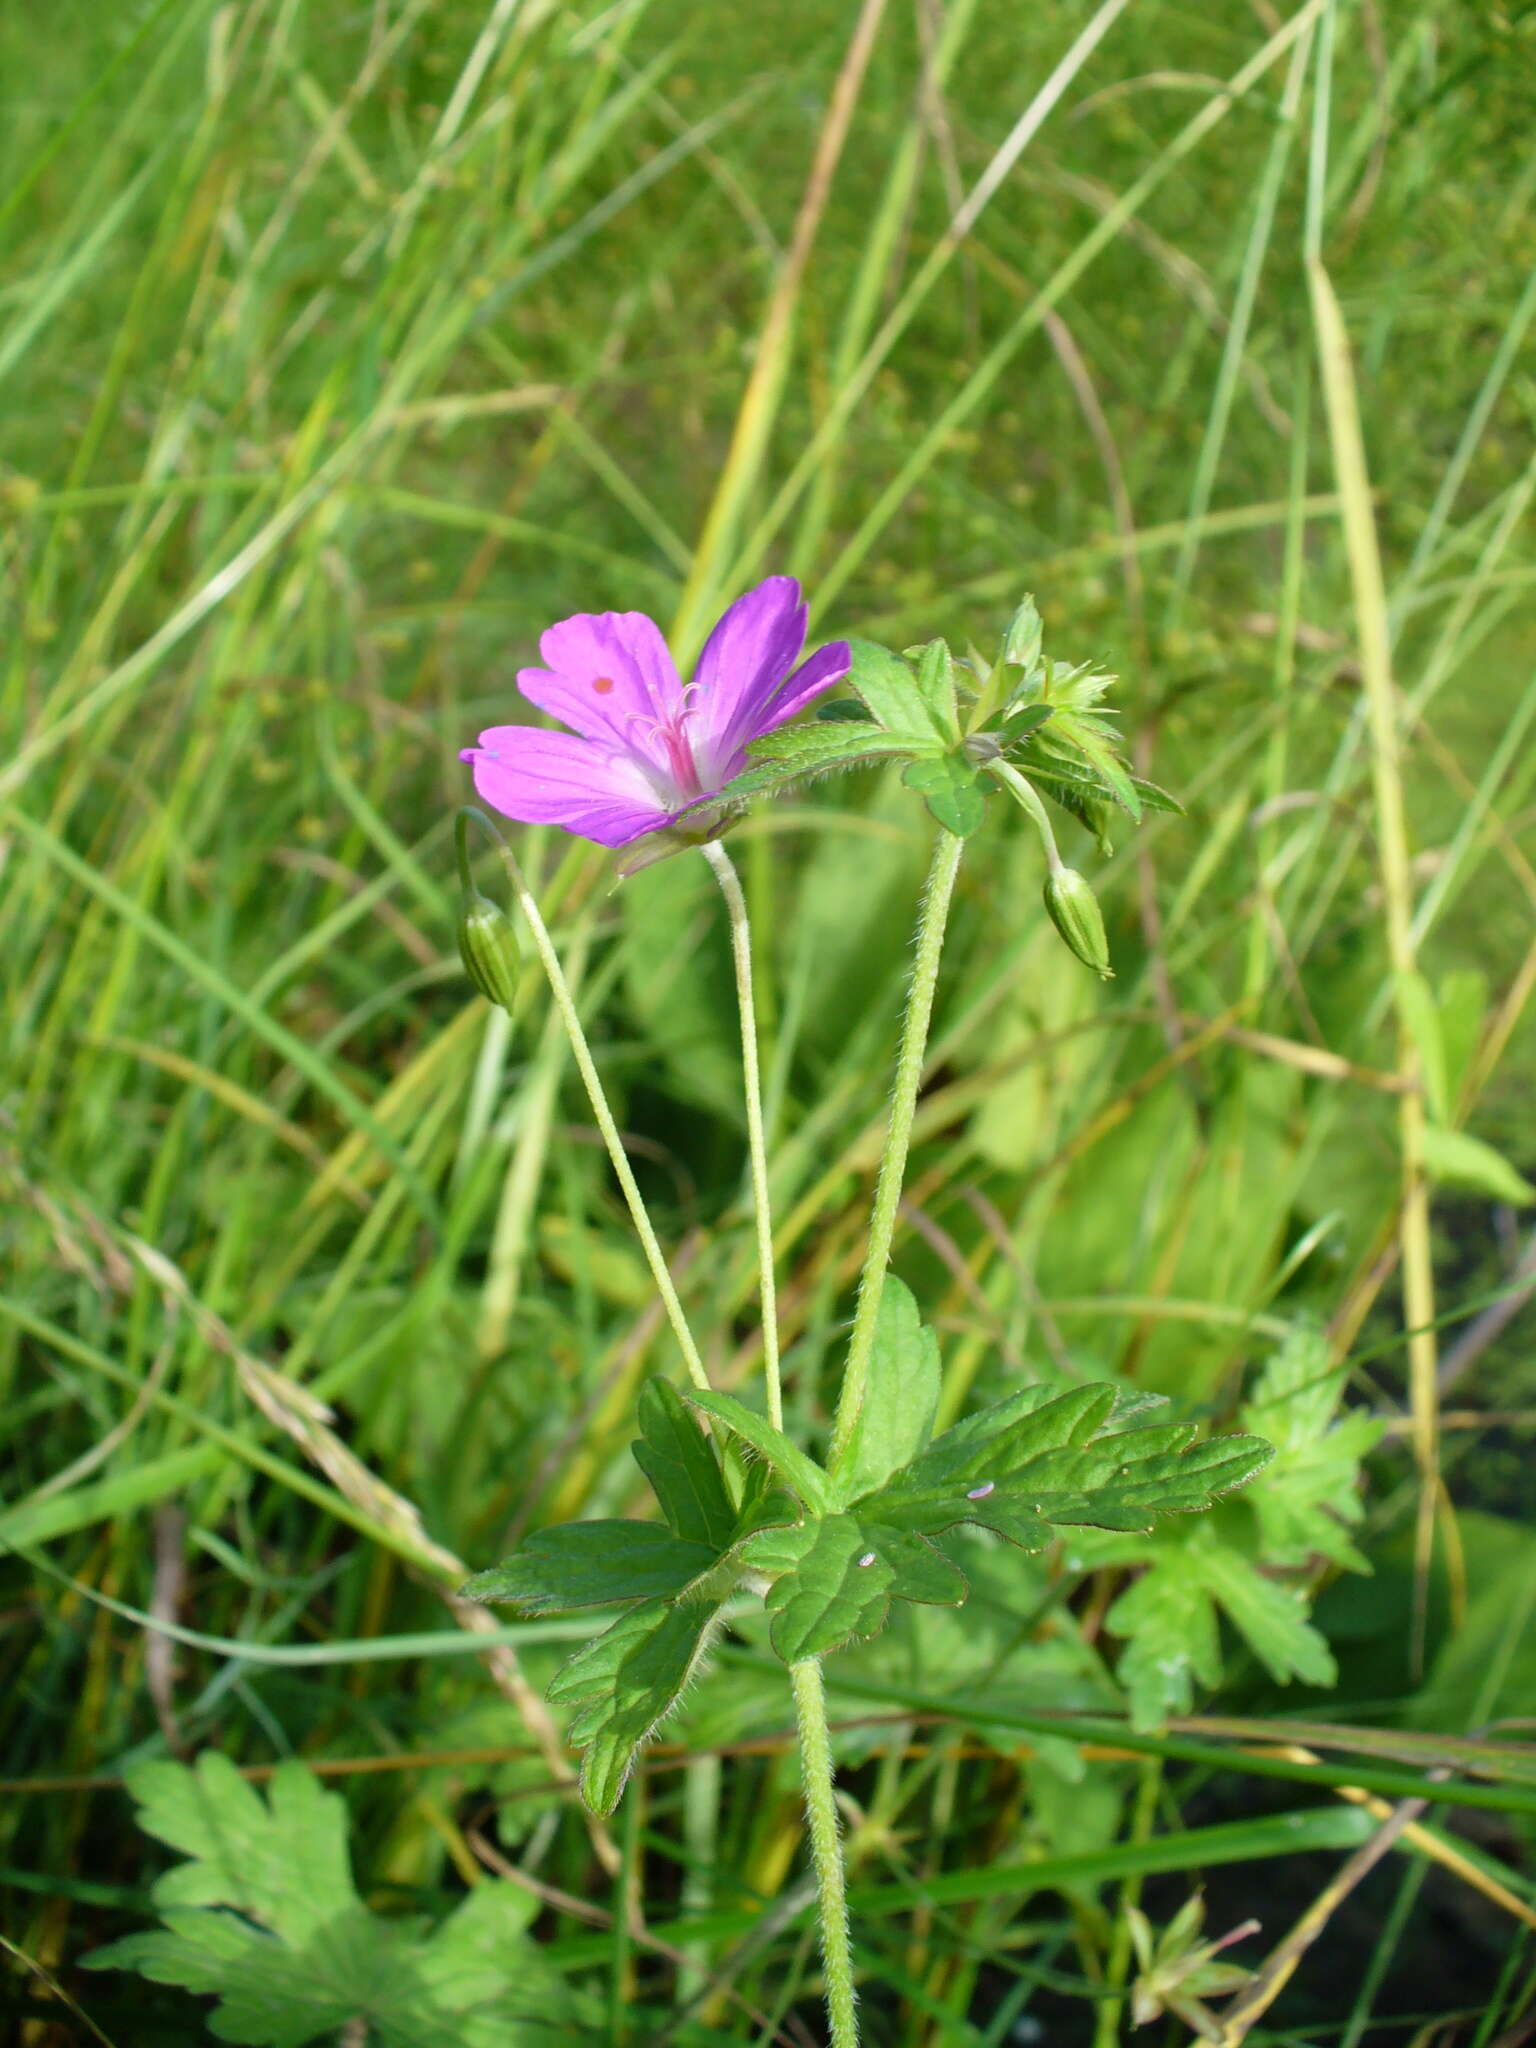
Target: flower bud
(488, 947)
(1021, 643)
(1074, 910)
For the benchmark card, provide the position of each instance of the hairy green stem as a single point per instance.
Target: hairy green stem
(826, 1848)
(741, 953)
(931, 921)
(603, 1116)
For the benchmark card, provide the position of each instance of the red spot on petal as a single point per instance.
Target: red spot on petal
(602, 685)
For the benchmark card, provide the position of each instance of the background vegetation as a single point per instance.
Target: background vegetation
(343, 346)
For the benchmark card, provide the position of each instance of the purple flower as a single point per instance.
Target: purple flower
(643, 747)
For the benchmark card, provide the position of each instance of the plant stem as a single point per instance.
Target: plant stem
(826, 1848)
(741, 953)
(931, 922)
(602, 1114)
(1025, 793)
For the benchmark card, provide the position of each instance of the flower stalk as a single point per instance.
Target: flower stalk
(741, 952)
(932, 921)
(602, 1114)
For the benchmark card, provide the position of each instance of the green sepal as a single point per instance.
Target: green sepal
(1154, 798)
(489, 950)
(1022, 642)
(622, 1684)
(834, 1578)
(1018, 725)
(1088, 737)
(681, 1463)
(592, 1564)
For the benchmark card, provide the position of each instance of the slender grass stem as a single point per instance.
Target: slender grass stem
(741, 952)
(603, 1116)
(931, 922)
(1367, 581)
(826, 1849)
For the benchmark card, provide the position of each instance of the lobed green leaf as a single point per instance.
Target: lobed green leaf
(265, 1918)
(950, 787)
(835, 1576)
(623, 1683)
(896, 699)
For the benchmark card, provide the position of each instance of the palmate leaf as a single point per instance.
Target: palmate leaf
(1169, 1617)
(592, 1564)
(1035, 1462)
(279, 1860)
(1306, 1499)
(265, 1918)
(1038, 1460)
(623, 1683)
(834, 1578)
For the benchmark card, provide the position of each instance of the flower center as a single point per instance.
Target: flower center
(679, 751)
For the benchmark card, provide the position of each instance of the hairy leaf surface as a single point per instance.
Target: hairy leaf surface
(834, 1579)
(900, 1397)
(592, 1564)
(798, 1472)
(622, 1684)
(680, 1462)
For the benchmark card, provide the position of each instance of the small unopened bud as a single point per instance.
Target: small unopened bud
(488, 948)
(1074, 910)
(1021, 643)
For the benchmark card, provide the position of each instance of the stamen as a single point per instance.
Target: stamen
(602, 685)
(866, 1560)
(981, 1492)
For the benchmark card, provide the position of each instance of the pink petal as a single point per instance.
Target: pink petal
(745, 659)
(553, 778)
(818, 673)
(609, 677)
